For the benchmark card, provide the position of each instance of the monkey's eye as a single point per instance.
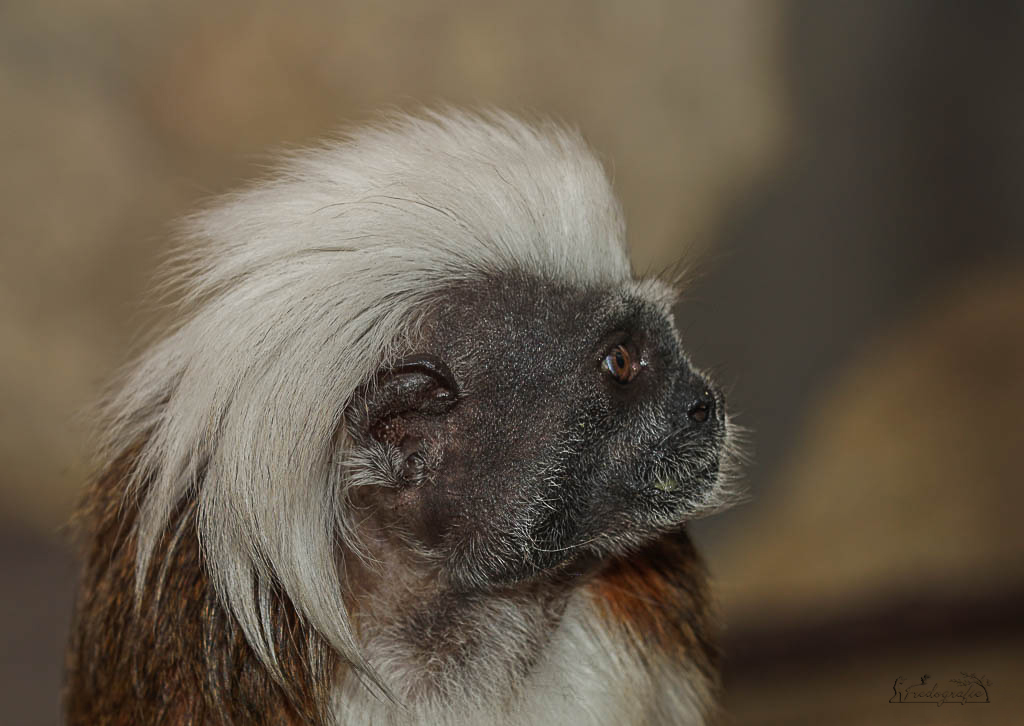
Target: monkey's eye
(620, 364)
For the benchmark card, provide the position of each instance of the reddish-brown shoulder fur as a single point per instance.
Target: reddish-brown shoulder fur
(182, 659)
(659, 596)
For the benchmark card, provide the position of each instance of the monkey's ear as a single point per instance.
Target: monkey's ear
(420, 385)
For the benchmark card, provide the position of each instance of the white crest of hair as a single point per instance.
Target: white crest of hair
(295, 291)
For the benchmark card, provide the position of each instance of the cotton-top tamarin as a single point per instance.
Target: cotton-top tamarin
(421, 450)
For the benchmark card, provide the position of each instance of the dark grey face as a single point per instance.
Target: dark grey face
(540, 426)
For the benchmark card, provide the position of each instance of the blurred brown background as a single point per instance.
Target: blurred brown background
(848, 178)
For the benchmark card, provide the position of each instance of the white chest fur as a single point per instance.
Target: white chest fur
(586, 675)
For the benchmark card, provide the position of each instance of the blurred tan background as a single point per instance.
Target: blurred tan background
(848, 180)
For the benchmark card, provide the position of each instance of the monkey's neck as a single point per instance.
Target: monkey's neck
(430, 644)
(634, 634)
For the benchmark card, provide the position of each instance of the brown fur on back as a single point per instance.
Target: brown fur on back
(184, 662)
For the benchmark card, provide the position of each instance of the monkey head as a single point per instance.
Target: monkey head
(536, 425)
(420, 427)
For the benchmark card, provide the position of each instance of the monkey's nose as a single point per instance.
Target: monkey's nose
(707, 405)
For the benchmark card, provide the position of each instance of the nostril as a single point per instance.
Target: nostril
(701, 410)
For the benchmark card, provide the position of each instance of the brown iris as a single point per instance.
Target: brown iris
(619, 364)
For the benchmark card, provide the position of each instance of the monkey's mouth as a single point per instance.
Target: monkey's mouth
(700, 478)
(666, 484)
(693, 469)
(684, 465)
